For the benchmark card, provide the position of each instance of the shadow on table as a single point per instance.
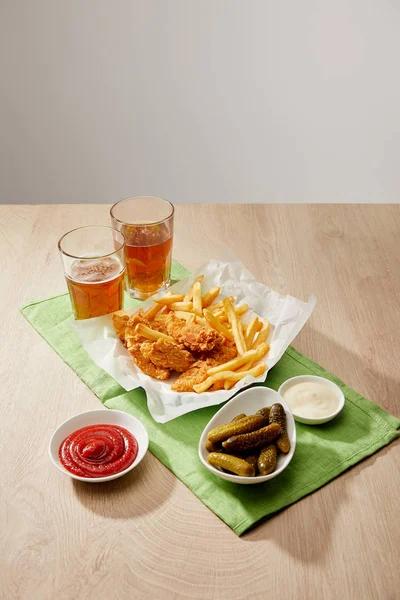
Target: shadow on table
(304, 530)
(135, 494)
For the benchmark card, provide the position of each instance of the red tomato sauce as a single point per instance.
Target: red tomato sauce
(98, 451)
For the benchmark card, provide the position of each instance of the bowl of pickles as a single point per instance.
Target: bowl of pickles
(251, 439)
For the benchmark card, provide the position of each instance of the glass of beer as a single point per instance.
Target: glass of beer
(93, 260)
(148, 227)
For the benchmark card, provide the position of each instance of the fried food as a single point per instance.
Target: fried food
(210, 296)
(151, 334)
(189, 295)
(197, 299)
(152, 311)
(260, 352)
(146, 365)
(168, 355)
(185, 306)
(169, 299)
(133, 340)
(262, 335)
(253, 327)
(193, 376)
(198, 372)
(214, 322)
(233, 364)
(234, 376)
(237, 332)
(221, 354)
(193, 336)
(240, 310)
(120, 321)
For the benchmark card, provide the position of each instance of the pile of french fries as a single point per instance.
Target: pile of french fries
(198, 307)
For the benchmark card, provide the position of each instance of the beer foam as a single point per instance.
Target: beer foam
(95, 270)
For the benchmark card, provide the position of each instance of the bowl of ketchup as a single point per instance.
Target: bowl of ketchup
(98, 445)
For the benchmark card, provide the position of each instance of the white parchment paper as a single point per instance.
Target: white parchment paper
(286, 314)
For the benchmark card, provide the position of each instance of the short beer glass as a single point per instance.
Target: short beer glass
(94, 268)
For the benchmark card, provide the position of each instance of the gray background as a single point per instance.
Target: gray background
(200, 100)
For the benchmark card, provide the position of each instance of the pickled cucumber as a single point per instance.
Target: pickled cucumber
(252, 460)
(278, 415)
(245, 425)
(249, 441)
(235, 465)
(239, 417)
(264, 411)
(267, 459)
(210, 447)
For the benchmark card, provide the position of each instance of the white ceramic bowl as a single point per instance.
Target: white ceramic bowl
(97, 417)
(249, 402)
(335, 388)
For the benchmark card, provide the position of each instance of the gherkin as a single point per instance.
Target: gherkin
(223, 432)
(264, 412)
(267, 460)
(235, 465)
(238, 417)
(247, 442)
(278, 415)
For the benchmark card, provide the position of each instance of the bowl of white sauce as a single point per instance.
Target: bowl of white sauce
(312, 400)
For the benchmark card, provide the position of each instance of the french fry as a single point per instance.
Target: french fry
(191, 319)
(229, 383)
(164, 310)
(236, 331)
(219, 314)
(202, 321)
(151, 312)
(252, 329)
(255, 372)
(216, 306)
(219, 305)
(185, 316)
(235, 363)
(216, 324)
(241, 333)
(151, 334)
(189, 296)
(210, 296)
(185, 306)
(262, 335)
(155, 309)
(169, 299)
(261, 351)
(197, 299)
(240, 310)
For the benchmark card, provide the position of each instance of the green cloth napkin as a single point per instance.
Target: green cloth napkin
(322, 452)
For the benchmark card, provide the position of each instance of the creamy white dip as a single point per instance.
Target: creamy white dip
(311, 399)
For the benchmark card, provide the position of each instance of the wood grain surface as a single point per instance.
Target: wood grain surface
(146, 535)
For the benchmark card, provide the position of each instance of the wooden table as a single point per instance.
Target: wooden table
(146, 535)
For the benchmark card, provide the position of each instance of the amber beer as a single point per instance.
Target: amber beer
(148, 255)
(94, 268)
(96, 286)
(147, 224)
